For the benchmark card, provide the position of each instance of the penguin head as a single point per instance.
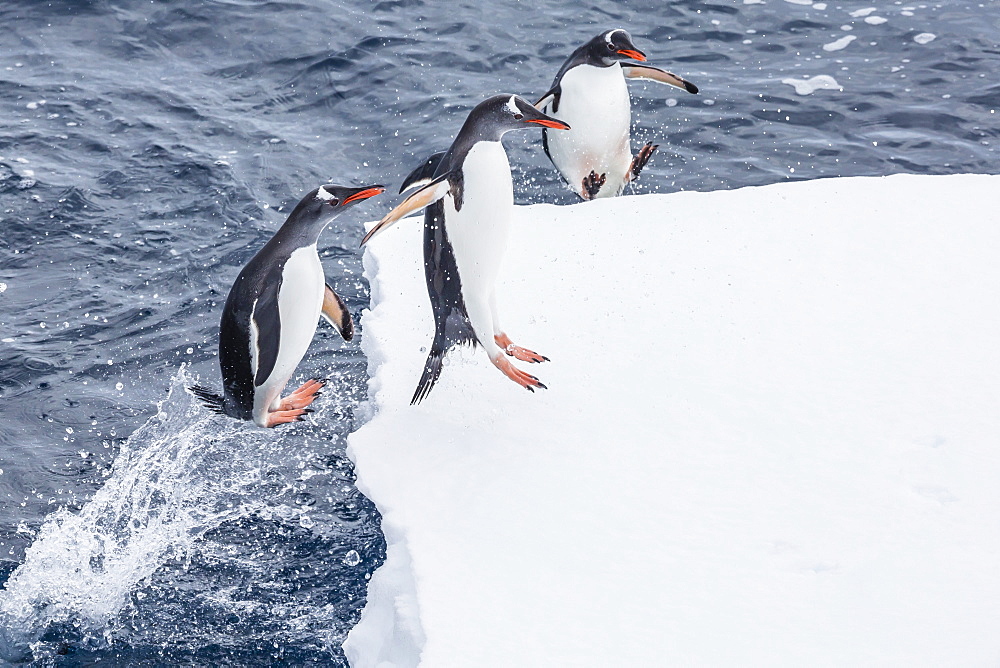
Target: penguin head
(613, 46)
(500, 114)
(328, 201)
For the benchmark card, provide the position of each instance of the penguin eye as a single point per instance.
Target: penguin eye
(518, 117)
(611, 47)
(333, 201)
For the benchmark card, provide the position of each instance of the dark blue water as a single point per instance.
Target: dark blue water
(147, 149)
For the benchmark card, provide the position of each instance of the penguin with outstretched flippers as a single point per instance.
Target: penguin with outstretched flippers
(589, 92)
(468, 198)
(271, 314)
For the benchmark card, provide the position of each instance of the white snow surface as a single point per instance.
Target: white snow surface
(770, 438)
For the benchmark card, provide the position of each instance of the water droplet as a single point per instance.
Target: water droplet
(306, 522)
(119, 386)
(352, 558)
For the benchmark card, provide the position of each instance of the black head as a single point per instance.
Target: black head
(500, 114)
(611, 47)
(315, 211)
(328, 201)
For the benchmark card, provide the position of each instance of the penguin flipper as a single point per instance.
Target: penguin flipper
(335, 312)
(213, 402)
(427, 195)
(658, 75)
(552, 95)
(266, 320)
(423, 174)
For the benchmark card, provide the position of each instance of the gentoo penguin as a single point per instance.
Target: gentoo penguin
(589, 92)
(271, 314)
(469, 197)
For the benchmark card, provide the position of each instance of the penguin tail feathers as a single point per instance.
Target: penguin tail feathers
(433, 365)
(432, 371)
(423, 174)
(212, 401)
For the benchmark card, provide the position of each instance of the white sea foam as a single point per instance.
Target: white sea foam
(813, 84)
(875, 20)
(839, 44)
(925, 38)
(181, 474)
(858, 13)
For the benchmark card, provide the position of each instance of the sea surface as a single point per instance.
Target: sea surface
(149, 148)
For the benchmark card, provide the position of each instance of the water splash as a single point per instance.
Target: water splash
(181, 474)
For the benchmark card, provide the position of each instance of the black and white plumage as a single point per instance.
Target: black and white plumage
(271, 314)
(468, 195)
(589, 93)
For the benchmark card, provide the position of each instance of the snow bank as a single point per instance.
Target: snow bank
(770, 438)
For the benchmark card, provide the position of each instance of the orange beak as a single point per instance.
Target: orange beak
(558, 125)
(635, 55)
(364, 194)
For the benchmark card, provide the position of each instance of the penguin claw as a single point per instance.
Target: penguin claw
(274, 418)
(592, 184)
(517, 352)
(525, 380)
(640, 160)
(302, 397)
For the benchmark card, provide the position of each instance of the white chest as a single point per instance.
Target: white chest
(479, 231)
(300, 299)
(595, 101)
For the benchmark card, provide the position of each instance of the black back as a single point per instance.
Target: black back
(255, 295)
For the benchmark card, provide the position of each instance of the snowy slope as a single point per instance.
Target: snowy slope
(772, 437)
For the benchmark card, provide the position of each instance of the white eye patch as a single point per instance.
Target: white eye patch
(611, 34)
(512, 105)
(323, 195)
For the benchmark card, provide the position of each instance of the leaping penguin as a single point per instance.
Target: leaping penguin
(271, 314)
(589, 92)
(468, 195)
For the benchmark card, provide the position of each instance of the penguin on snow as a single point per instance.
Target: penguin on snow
(589, 93)
(271, 314)
(468, 195)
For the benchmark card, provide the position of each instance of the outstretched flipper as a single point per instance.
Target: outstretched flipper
(640, 160)
(658, 75)
(552, 96)
(423, 174)
(427, 195)
(335, 312)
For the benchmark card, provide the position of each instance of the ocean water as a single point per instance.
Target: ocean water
(148, 149)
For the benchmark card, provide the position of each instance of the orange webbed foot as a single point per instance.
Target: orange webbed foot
(517, 352)
(301, 397)
(522, 378)
(274, 418)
